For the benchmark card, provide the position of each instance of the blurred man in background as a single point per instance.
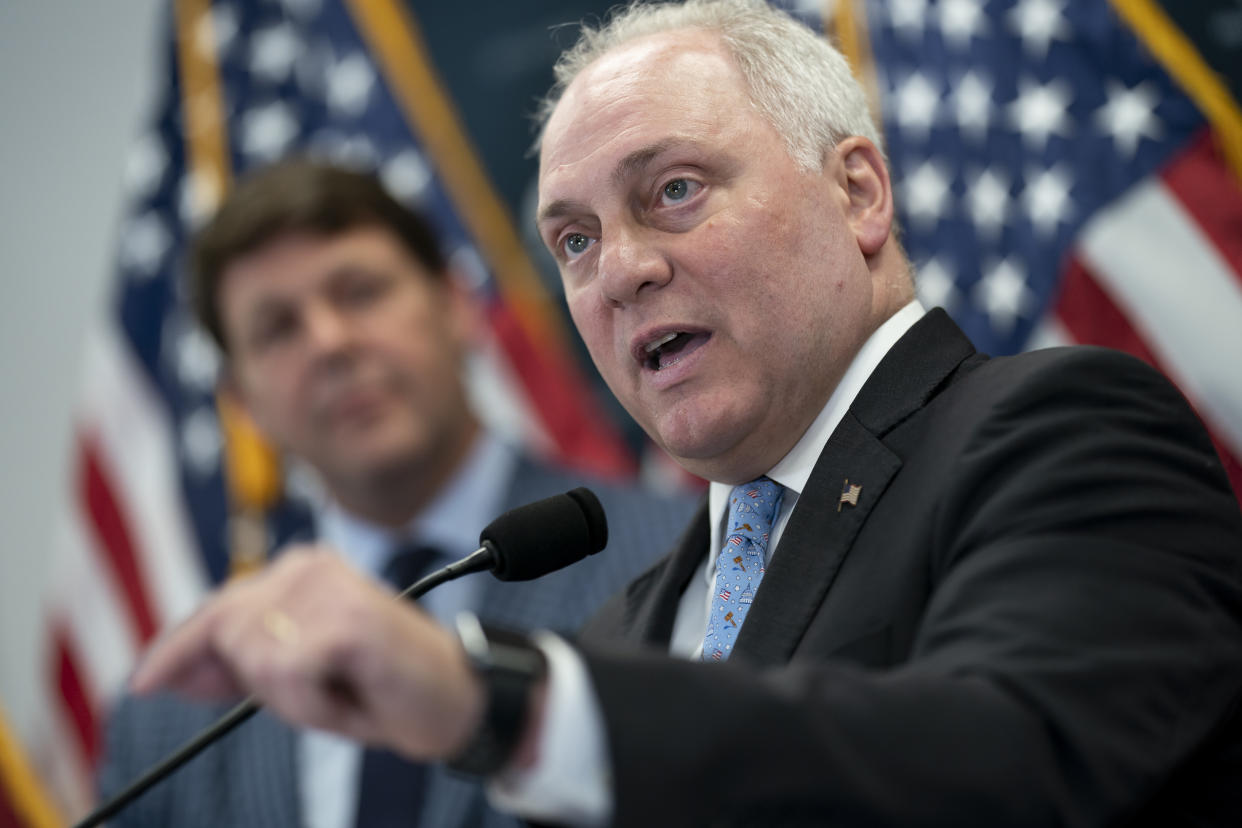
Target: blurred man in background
(345, 338)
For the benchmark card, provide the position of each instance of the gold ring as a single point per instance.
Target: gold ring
(280, 626)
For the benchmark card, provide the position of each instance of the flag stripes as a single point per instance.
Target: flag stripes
(142, 536)
(112, 534)
(1167, 278)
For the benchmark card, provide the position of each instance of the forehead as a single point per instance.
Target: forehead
(323, 248)
(678, 84)
(302, 260)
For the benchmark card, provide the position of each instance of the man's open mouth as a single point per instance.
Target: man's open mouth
(671, 348)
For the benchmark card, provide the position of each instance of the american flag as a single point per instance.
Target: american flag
(1055, 184)
(849, 494)
(1058, 181)
(145, 532)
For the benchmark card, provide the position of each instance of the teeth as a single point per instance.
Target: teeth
(652, 347)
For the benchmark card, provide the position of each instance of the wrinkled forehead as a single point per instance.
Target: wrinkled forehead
(660, 81)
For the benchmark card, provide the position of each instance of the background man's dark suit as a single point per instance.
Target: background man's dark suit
(1032, 615)
(251, 779)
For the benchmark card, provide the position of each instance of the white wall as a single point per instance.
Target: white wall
(76, 79)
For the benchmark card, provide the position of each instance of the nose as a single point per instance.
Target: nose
(327, 329)
(631, 264)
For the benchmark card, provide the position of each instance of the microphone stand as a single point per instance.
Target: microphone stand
(480, 560)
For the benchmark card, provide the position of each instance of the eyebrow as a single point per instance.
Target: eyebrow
(625, 168)
(640, 158)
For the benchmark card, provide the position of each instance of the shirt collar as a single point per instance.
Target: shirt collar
(472, 498)
(794, 469)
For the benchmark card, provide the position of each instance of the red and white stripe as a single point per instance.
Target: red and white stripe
(124, 566)
(1159, 274)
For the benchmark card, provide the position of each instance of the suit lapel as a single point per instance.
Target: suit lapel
(651, 601)
(819, 534)
(822, 529)
(818, 537)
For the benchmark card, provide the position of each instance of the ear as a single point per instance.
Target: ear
(870, 193)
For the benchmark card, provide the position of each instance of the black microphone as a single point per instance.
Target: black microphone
(520, 545)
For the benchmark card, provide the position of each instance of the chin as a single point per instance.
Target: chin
(700, 448)
(710, 438)
(379, 455)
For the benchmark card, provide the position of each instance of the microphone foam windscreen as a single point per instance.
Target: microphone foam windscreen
(544, 536)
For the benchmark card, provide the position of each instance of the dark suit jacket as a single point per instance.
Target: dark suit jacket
(1033, 616)
(250, 779)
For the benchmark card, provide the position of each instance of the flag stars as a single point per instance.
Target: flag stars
(908, 16)
(926, 191)
(935, 285)
(987, 200)
(807, 8)
(972, 105)
(144, 243)
(915, 103)
(1003, 295)
(349, 85)
(1038, 23)
(1129, 115)
(960, 20)
(200, 193)
(201, 442)
(302, 8)
(356, 150)
(267, 131)
(273, 51)
(216, 30)
(145, 165)
(1040, 111)
(1047, 199)
(469, 265)
(311, 67)
(406, 175)
(195, 359)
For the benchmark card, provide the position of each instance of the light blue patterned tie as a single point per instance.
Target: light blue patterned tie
(739, 568)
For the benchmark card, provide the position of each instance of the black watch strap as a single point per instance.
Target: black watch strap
(509, 665)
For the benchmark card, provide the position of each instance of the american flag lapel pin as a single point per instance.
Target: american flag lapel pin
(849, 494)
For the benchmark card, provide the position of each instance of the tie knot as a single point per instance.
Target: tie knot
(753, 506)
(407, 564)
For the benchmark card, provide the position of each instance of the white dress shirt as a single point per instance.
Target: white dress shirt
(329, 766)
(571, 781)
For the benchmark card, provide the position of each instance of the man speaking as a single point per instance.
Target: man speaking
(926, 587)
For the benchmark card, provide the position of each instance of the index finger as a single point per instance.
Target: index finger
(185, 661)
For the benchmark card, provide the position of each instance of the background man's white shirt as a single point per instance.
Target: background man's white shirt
(329, 766)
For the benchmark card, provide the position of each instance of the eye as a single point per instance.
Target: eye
(271, 330)
(359, 289)
(678, 190)
(360, 292)
(575, 244)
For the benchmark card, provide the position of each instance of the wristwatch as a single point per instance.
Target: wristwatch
(509, 665)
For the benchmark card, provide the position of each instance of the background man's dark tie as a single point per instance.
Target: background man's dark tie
(391, 789)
